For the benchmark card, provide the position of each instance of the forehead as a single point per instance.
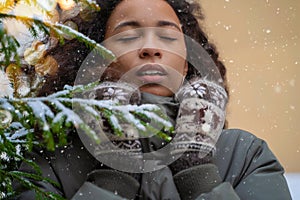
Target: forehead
(142, 10)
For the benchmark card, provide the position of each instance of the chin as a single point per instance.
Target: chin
(156, 90)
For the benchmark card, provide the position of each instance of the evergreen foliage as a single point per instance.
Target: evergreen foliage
(44, 122)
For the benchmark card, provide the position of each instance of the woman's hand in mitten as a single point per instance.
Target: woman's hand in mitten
(122, 94)
(116, 150)
(199, 122)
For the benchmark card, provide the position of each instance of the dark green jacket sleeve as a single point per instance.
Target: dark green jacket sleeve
(47, 171)
(69, 166)
(247, 163)
(86, 191)
(89, 191)
(224, 191)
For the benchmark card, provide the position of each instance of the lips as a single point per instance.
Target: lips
(151, 73)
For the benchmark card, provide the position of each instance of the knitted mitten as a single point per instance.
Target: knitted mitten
(116, 151)
(122, 93)
(199, 123)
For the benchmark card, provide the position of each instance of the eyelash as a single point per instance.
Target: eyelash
(128, 39)
(168, 38)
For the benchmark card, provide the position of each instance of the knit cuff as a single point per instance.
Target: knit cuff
(117, 182)
(196, 180)
(190, 159)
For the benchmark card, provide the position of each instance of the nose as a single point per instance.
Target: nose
(150, 52)
(150, 47)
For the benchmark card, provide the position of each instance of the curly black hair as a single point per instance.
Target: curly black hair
(71, 55)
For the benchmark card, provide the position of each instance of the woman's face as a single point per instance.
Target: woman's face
(147, 38)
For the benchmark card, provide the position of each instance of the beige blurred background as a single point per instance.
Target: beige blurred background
(258, 40)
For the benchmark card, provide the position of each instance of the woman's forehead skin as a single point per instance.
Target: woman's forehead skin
(142, 13)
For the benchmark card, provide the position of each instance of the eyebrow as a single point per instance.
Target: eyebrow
(137, 24)
(168, 23)
(127, 23)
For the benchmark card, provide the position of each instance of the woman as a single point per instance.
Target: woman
(243, 167)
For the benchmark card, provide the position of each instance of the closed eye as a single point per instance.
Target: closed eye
(168, 38)
(128, 38)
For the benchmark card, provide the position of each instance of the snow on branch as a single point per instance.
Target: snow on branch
(45, 122)
(58, 112)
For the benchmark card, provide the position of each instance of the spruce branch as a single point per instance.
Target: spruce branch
(52, 117)
(47, 27)
(28, 180)
(55, 113)
(8, 46)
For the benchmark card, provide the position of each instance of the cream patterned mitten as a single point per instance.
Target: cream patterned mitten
(122, 94)
(199, 123)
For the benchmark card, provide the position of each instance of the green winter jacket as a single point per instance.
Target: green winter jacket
(247, 167)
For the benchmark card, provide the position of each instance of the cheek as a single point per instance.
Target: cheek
(179, 64)
(125, 62)
(122, 65)
(177, 59)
